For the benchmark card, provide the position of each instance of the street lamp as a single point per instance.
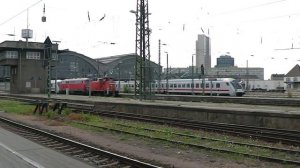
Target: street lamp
(159, 63)
(56, 42)
(119, 83)
(193, 74)
(247, 75)
(167, 77)
(203, 79)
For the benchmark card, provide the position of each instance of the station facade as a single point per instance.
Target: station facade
(23, 66)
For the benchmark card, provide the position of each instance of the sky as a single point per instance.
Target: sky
(250, 30)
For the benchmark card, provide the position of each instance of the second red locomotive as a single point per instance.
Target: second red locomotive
(100, 86)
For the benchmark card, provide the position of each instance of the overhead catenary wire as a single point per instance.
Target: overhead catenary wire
(249, 7)
(25, 10)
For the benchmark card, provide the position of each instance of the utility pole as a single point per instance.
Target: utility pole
(167, 77)
(48, 52)
(159, 64)
(247, 76)
(193, 74)
(203, 79)
(142, 68)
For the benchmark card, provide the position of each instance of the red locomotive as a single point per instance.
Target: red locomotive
(100, 86)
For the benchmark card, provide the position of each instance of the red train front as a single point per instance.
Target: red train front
(104, 86)
(99, 86)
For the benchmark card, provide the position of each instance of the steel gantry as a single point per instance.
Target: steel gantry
(142, 67)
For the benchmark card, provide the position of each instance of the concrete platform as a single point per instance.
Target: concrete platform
(16, 151)
(282, 117)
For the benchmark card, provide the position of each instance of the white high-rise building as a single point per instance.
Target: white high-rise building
(203, 52)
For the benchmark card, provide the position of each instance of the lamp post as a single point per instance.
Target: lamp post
(159, 63)
(193, 74)
(247, 75)
(203, 79)
(167, 77)
(56, 42)
(119, 76)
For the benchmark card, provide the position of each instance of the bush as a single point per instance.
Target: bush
(126, 89)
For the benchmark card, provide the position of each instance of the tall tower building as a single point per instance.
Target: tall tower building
(203, 52)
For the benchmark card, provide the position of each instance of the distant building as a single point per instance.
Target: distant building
(203, 55)
(27, 63)
(225, 61)
(236, 72)
(292, 78)
(123, 67)
(23, 66)
(277, 76)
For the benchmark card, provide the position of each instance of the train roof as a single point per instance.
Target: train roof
(76, 79)
(206, 79)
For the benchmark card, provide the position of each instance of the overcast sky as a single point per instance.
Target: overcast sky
(240, 27)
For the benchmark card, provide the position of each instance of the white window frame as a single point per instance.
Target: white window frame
(33, 55)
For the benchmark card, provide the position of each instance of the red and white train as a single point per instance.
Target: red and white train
(217, 87)
(100, 86)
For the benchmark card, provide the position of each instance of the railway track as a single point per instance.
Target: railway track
(288, 137)
(91, 155)
(272, 135)
(272, 154)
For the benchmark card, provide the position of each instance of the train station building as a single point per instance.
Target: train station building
(23, 66)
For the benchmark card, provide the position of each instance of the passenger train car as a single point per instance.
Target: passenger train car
(217, 87)
(99, 86)
(55, 89)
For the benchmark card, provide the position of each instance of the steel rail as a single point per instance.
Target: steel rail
(260, 157)
(86, 148)
(257, 132)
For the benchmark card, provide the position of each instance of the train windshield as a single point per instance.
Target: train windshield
(236, 85)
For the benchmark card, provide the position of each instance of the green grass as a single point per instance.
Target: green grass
(138, 128)
(15, 107)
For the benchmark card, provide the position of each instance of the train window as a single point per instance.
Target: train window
(207, 85)
(202, 85)
(218, 85)
(212, 85)
(171, 85)
(183, 85)
(175, 85)
(188, 85)
(179, 85)
(227, 83)
(162, 85)
(197, 85)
